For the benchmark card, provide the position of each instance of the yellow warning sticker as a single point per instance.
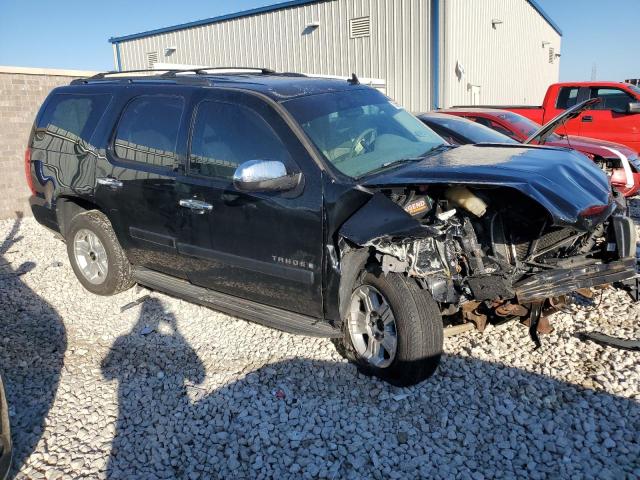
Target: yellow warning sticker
(414, 208)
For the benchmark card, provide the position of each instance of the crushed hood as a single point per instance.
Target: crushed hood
(564, 182)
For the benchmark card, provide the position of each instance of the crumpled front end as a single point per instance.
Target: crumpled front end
(488, 252)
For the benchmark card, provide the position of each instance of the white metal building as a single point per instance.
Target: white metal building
(427, 53)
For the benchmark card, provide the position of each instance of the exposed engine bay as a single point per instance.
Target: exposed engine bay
(487, 252)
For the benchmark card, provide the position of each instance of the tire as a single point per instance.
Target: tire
(418, 327)
(114, 270)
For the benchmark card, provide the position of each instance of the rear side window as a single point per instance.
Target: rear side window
(72, 116)
(567, 97)
(495, 126)
(448, 136)
(226, 135)
(148, 130)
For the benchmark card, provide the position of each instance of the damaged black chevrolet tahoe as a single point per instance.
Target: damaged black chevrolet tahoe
(316, 206)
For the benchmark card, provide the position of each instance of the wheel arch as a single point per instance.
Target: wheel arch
(68, 207)
(353, 262)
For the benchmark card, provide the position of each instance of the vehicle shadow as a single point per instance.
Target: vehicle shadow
(302, 418)
(32, 346)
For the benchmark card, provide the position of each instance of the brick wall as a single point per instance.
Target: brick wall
(22, 91)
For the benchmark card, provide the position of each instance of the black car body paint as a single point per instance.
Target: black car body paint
(236, 248)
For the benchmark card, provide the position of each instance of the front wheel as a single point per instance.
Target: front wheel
(393, 329)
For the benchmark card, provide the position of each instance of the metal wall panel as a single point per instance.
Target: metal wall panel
(397, 51)
(507, 64)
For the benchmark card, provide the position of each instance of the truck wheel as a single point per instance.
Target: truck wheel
(393, 329)
(96, 256)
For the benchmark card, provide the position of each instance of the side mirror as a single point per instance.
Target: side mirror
(634, 107)
(264, 176)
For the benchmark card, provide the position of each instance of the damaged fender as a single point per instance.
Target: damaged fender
(380, 218)
(403, 244)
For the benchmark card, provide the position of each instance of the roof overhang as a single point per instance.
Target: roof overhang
(544, 15)
(272, 8)
(221, 18)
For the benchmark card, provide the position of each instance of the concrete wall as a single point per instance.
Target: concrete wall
(22, 91)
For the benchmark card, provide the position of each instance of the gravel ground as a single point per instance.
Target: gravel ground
(168, 389)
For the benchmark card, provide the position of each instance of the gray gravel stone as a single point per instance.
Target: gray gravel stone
(204, 395)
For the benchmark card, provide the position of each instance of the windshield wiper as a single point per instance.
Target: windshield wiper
(395, 163)
(437, 148)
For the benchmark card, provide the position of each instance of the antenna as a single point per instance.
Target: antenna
(594, 72)
(354, 80)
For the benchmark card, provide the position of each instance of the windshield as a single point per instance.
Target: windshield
(635, 89)
(361, 131)
(525, 126)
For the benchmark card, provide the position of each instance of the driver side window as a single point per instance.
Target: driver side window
(611, 99)
(226, 135)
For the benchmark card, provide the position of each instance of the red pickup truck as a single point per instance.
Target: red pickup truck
(616, 118)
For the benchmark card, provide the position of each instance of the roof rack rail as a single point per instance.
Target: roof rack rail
(205, 70)
(168, 72)
(293, 74)
(263, 70)
(101, 75)
(171, 72)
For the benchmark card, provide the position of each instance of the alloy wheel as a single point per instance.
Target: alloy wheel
(90, 256)
(372, 326)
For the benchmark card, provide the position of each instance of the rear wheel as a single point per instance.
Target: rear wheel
(393, 329)
(96, 256)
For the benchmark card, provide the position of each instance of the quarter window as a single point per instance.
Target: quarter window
(611, 99)
(73, 116)
(148, 130)
(226, 135)
(567, 97)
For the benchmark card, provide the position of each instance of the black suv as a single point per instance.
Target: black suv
(316, 206)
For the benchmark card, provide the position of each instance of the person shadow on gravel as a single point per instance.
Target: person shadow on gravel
(152, 364)
(33, 342)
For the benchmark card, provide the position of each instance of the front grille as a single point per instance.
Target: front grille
(551, 238)
(546, 240)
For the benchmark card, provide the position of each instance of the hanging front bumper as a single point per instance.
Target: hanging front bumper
(552, 283)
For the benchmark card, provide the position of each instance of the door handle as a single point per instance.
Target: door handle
(587, 118)
(198, 206)
(109, 182)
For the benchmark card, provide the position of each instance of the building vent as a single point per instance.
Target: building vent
(152, 59)
(360, 27)
(552, 54)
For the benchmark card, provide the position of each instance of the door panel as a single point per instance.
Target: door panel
(265, 247)
(136, 178)
(256, 247)
(607, 120)
(145, 214)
